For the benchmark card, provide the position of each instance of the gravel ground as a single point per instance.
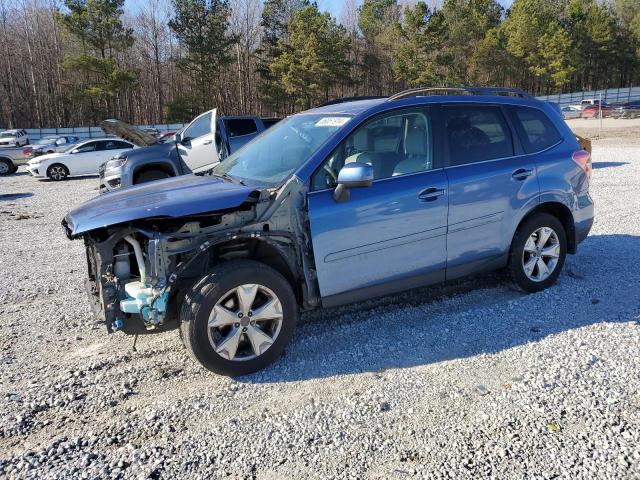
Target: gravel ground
(467, 380)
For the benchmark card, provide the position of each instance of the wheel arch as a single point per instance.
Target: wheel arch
(274, 251)
(7, 159)
(165, 167)
(563, 214)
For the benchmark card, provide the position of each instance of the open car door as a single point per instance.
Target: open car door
(197, 143)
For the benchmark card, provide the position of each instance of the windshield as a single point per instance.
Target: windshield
(7, 135)
(272, 156)
(46, 140)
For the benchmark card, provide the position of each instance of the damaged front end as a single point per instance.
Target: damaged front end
(140, 268)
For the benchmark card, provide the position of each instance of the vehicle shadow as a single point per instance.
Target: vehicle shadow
(480, 315)
(70, 179)
(598, 165)
(14, 196)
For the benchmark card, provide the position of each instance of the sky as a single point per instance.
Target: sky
(334, 7)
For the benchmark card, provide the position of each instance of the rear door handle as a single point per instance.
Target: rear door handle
(207, 142)
(431, 194)
(521, 174)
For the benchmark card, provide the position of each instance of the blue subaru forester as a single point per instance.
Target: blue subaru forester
(334, 205)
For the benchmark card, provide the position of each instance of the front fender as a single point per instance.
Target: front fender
(163, 155)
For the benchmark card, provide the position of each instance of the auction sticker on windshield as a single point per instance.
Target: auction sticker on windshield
(332, 121)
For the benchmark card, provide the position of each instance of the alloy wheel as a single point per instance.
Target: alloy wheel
(541, 254)
(245, 322)
(57, 172)
(4, 168)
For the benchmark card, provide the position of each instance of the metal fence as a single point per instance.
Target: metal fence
(611, 95)
(91, 132)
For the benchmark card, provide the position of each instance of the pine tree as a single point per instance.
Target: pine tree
(315, 59)
(201, 26)
(98, 26)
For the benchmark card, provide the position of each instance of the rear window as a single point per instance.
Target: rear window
(476, 133)
(535, 129)
(269, 122)
(241, 126)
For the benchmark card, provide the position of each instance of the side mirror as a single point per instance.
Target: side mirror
(177, 138)
(352, 175)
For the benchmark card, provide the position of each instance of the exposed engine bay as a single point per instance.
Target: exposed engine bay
(138, 271)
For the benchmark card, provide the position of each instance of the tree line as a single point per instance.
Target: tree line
(76, 62)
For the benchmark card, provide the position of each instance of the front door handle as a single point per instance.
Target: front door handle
(521, 174)
(431, 194)
(207, 142)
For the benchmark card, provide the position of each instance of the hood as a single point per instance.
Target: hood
(44, 158)
(128, 132)
(156, 152)
(170, 198)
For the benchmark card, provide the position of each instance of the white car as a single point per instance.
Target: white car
(84, 158)
(14, 138)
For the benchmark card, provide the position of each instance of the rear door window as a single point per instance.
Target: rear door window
(237, 127)
(534, 128)
(116, 145)
(476, 133)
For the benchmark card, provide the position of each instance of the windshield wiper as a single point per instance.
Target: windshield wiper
(231, 178)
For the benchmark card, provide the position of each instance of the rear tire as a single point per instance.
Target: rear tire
(6, 167)
(150, 176)
(57, 172)
(537, 253)
(221, 335)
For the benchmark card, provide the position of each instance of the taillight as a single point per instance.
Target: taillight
(583, 159)
(26, 151)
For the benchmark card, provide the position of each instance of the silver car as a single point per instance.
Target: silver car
(52, 144)
(571, 111)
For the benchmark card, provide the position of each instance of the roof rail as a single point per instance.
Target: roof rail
(350, 99)
(427, 91)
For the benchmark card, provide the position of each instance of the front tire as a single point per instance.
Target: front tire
(537, 253)
(57, 172)
(239, 318)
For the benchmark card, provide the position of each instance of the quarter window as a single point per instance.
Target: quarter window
(476, 133)
(241, 126)
(395, 144)
(535, 129)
